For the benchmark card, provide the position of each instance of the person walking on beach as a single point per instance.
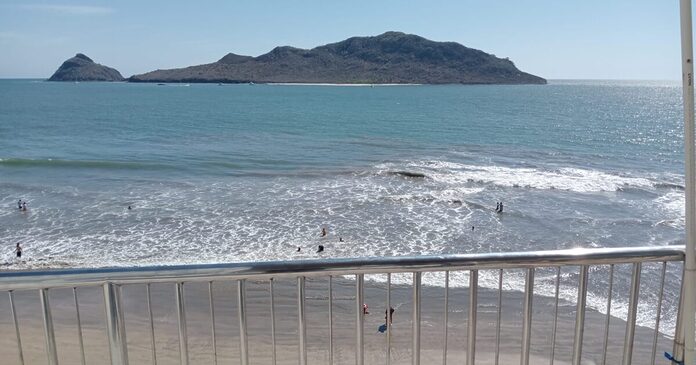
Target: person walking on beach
(391, 315)
(18, 250)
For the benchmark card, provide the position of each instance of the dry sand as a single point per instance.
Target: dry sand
(259, 325)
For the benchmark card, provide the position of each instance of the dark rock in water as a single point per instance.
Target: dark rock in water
(82, 68)
(389, 58)
(409, 174)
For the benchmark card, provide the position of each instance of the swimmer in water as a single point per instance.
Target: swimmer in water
(129, 207)
(299, 248)
(320, 249)
(340, 239)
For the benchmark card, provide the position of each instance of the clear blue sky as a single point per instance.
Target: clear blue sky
(588, 39)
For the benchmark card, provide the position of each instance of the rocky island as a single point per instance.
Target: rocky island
(389, 58)
(82, 68)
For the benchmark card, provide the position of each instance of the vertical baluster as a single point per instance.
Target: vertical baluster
(416, 317)
(473, 304)
(389, 324)
(49, 334)
(212, 320)
(678, 347)
(16, 326)
(301, 319)
(273, 331)
(632, 311)
(445, 330)
(607, 320)
(527, 312)
(330, 319)
(181, 320)
(659, 312)
(241, 312)
(498, 316)
(152, 324)
(359, 319)
(79, 328)
(555, 316)
(580, 315)
(115, 325)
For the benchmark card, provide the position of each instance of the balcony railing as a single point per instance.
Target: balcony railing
(351, 272)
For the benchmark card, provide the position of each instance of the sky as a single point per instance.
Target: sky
(555, 39)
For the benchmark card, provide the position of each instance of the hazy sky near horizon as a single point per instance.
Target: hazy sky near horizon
(591, 39)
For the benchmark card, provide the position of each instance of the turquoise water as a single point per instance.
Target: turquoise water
(251, 172)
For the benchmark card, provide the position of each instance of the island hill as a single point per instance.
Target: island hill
(389, 58)
(82, 68)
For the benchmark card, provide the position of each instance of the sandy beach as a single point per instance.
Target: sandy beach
(260, 348)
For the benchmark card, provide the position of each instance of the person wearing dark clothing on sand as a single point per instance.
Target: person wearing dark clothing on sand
(18, 250)
(391, 315)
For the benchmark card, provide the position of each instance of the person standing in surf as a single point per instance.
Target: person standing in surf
(18, 250)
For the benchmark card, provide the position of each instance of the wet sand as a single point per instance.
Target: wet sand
(259, 326)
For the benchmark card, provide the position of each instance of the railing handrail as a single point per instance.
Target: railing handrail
(55, 278)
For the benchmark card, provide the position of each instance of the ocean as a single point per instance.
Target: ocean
(220, 173)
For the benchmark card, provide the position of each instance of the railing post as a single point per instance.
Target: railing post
(607, 320)
(331, 346)
(416, 317)
(20, 352)
(678, 347)
(389, 324)
(301, 320)
(273, 330)
(446, 320)
(181, 320)
(79, 328)
(687, 55)
(632, 312)
(527, 313)
(471, 326)
(359, 319)
(115, 326)
(152, 324)
(49, 334)
(580, 316)
(241, 312)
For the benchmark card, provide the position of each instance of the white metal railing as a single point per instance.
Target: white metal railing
(112, 279)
